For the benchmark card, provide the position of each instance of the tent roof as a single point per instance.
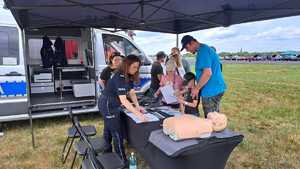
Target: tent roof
(170, 16)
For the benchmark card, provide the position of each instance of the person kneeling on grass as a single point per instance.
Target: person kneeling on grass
(188, 105)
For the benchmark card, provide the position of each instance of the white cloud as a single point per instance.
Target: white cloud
(280, 33)
(249, 37)
(152, 42)
(219, 33)
(154, 38)
(276, 33)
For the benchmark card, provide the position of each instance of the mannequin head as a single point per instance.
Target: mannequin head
(219, 120)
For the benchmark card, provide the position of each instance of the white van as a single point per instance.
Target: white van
(27, 85)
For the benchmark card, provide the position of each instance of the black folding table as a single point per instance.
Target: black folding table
(209, 153)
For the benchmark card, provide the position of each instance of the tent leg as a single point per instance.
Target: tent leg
(177, 40)
(1, 130)
(31, 127)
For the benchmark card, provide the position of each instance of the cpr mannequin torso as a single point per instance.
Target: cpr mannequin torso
(188, 126)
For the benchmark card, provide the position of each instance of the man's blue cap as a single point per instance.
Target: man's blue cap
(186, 40)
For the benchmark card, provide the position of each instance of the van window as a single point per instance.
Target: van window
(114, 43)
(9, 46)
(4, 43)
(130, 48)
(35, 46)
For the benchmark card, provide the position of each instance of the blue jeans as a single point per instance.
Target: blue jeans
(211, 104)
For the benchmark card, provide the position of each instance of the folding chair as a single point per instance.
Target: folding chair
(97, 143)
(103, 161)
(72, 134)
(92, 160)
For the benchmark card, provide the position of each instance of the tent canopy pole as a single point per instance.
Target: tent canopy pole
(177, 40)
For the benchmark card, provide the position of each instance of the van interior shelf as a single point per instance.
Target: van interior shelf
(58, 86)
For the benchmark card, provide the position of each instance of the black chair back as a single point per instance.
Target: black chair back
(90, 149)
(80, 131)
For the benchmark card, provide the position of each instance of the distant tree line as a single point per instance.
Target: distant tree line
(245, 54)
(242, 54)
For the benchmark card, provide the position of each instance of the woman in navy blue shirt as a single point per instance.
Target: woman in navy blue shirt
(114, 96)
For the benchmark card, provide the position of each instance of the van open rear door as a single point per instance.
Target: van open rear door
(13, 95)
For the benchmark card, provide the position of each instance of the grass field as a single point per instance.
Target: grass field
(262, 102)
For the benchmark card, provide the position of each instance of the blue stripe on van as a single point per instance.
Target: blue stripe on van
(12, 88)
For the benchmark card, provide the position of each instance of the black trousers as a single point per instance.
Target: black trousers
(113, 131)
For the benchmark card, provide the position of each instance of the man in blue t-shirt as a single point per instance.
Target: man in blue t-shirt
(210, 82)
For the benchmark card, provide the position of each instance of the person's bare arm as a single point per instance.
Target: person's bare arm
(181, 108)
(192, 104)
(157, 93)
(203, 80)
(180, 99)
(134, 100)
(126, 103)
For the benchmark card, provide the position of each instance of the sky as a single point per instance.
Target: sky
(263, 36)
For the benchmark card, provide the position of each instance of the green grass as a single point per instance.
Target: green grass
(262, 102)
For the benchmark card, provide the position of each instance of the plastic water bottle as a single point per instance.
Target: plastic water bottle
(132, 161)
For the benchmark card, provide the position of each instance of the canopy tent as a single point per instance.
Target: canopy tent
(169, 16)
